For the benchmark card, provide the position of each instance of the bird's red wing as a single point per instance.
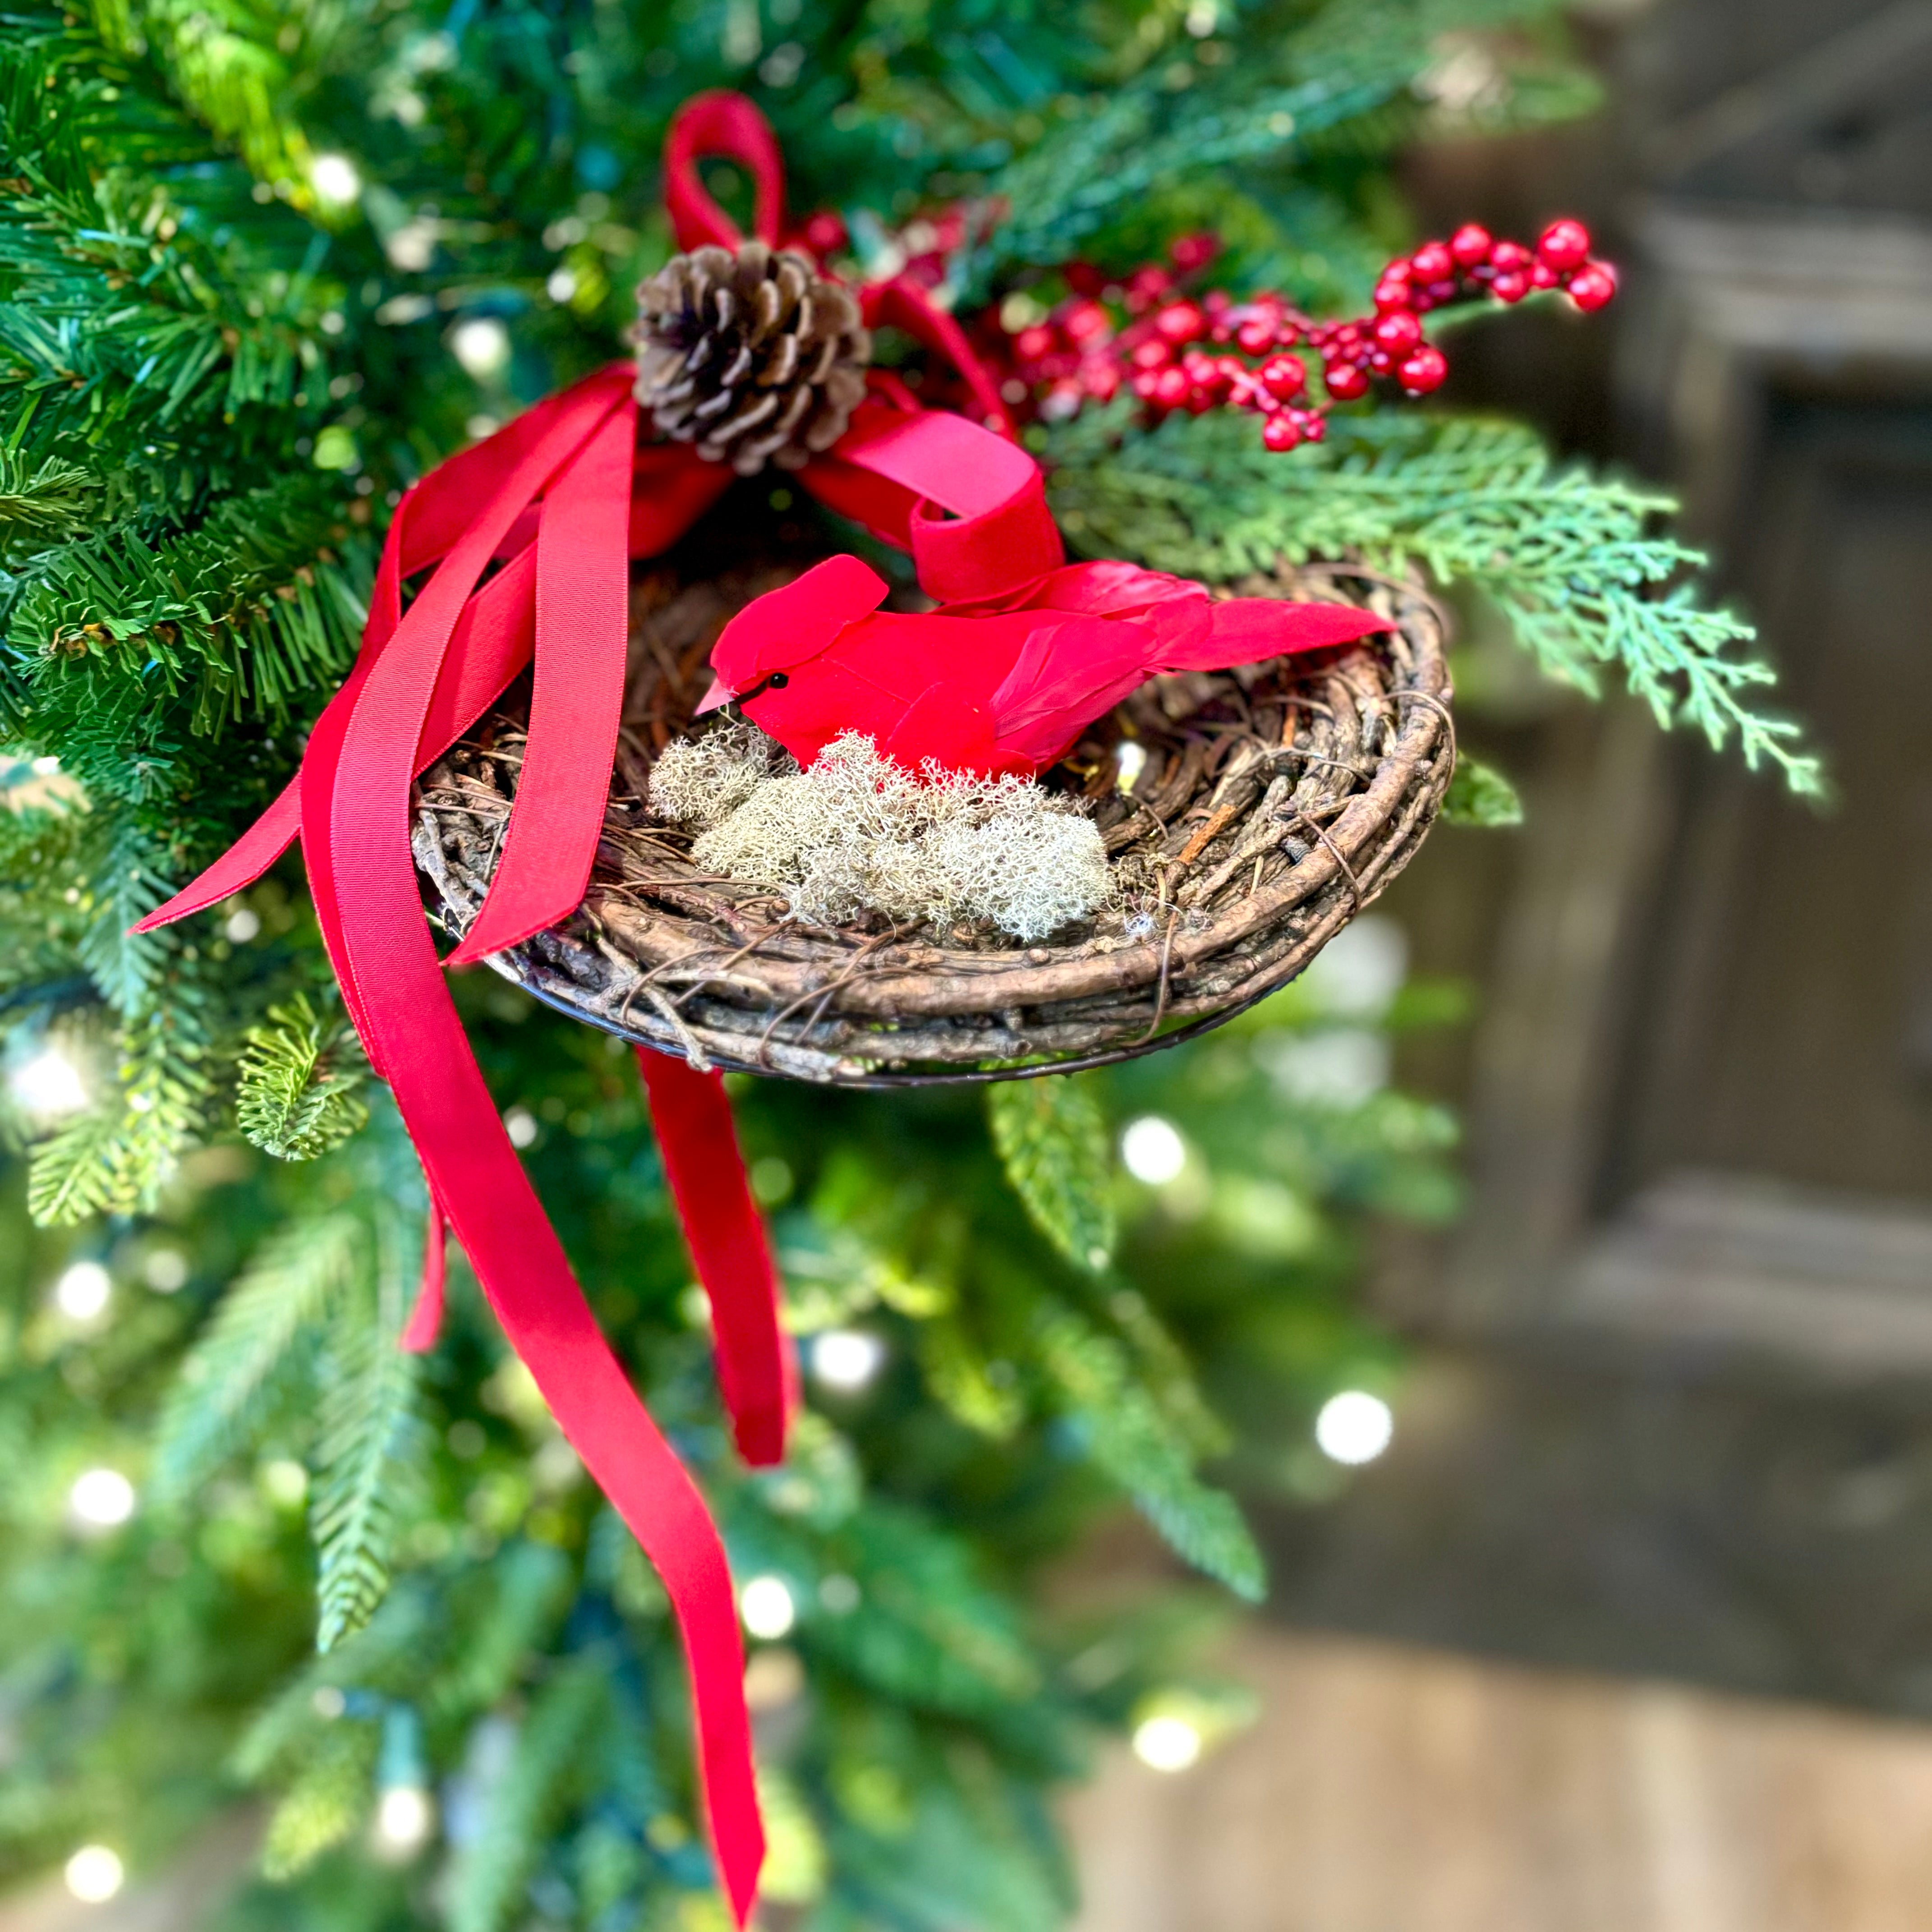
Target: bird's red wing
(1248, 630)
(940, 726)
(1066, 675)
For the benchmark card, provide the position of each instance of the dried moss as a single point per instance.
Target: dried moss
(857, 834)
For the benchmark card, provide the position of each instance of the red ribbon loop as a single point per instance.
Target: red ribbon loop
(727, 124)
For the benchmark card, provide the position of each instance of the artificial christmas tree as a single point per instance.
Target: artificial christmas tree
(259, 275)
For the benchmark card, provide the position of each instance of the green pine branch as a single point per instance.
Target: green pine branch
(1573, 560)
(118, 1157)
(370, 1447)
(233, 63)
(1052, 1137)
(297, 1097)
(1132, 1441)
(330, 1796)
(248, 615)
(258, 1336)
(488, 1874)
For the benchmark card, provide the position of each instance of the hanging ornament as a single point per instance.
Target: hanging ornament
(1282, 767)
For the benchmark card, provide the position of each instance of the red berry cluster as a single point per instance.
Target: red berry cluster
(1221, 352)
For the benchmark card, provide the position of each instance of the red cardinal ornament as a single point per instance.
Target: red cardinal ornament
(987, 687)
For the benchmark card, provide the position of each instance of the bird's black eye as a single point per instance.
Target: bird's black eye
(777, 681)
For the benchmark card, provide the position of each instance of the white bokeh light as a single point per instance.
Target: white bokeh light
(83, 1291)
(100, 1499)
(48, 1085)
(1153, 1150)
(481, 345)
(95, 1874)
(1354, 1426)
(1166, 1743)
(846, 1359)
(404, 1816)
(165, 1270)
(765, 1603)
(335, 178)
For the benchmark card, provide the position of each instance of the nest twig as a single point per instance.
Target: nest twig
(1274, 803)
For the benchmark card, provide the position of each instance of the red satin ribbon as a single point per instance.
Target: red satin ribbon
(727, 1243)
(559, 498)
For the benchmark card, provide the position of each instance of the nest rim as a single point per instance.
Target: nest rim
(830, 993)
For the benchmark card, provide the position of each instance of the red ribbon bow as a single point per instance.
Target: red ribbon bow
(561, 499)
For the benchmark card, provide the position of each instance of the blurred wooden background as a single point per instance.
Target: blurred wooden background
(1392, 1790)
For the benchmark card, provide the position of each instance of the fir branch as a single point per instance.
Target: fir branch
(124, 328)
(297, 1097)
(1052, 1138)
(1570, 557)
(252, 1344)
(74, 1175)
(487, 1875)
(232, 63)
(1091, 170)
(956, 1368)
(43, 502)
(927, 1633)
(125, 885)
(45, 862)
(370, 1448)
(328, 1799)
(118, 1158)
(1130, 1441)
(253, 610)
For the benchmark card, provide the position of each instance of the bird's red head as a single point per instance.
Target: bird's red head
(788, 627)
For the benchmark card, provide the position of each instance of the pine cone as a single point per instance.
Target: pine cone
(754, 357)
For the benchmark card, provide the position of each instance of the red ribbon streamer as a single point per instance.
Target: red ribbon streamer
(560, 498)
(727, 1239)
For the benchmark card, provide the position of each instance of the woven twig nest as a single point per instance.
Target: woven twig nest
(1272, 804)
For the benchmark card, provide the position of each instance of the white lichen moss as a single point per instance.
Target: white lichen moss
(857, 833)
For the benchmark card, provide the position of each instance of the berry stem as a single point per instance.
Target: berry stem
(1179, 351)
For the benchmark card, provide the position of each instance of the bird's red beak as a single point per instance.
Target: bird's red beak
(720, 695)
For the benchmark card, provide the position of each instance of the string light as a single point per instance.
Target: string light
(404, 1815)
(48, 1085)
(481, 345)
(335, 178)
(1167, 1743)
(846, 1359)
(83, 1292)
(1153, 1151)
(765, 1604)
(95, 1874)
(100, 1499)
(405, 1810)
(1354, 1426)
